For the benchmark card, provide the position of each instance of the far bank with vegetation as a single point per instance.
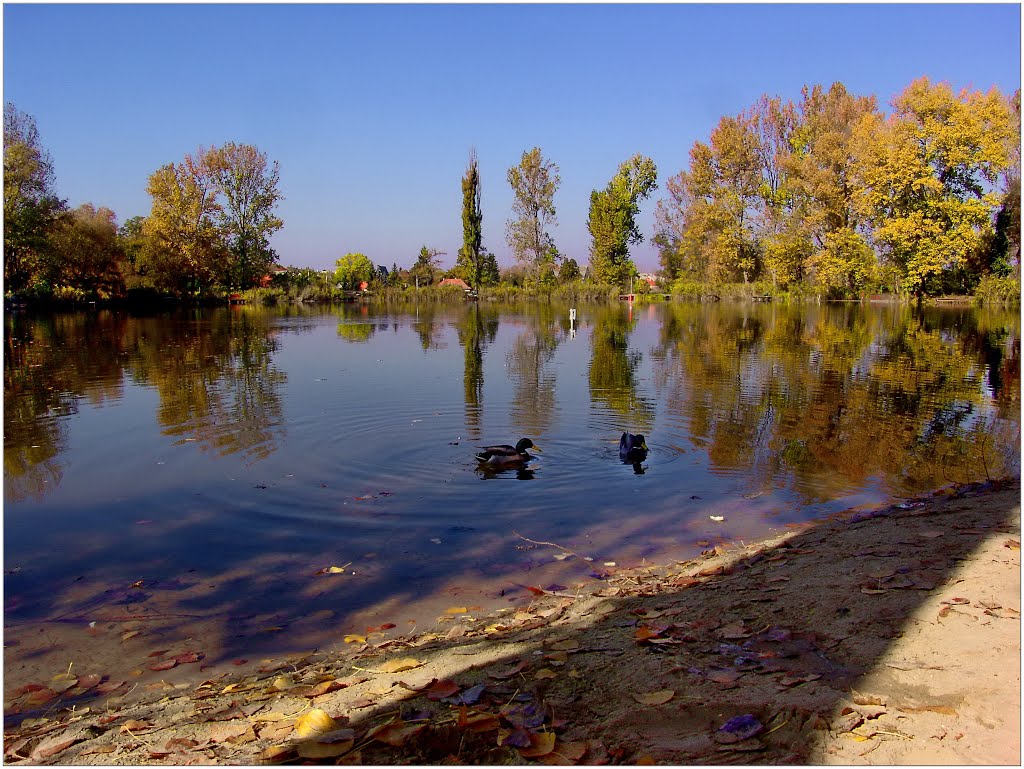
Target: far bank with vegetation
(825, 198)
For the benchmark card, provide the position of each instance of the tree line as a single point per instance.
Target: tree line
(208, 229)
(827, 195)
(830, 195)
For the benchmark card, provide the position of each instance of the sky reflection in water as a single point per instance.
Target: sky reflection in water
(226, 456)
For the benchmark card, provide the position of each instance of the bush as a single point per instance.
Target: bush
(995, 290)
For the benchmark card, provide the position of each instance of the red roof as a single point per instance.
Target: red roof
(454, 282)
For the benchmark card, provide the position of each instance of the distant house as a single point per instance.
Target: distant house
(275, 270)
(459, 282)
(651, 278)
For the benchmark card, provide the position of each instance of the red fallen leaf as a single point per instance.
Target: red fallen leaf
(40, 696)
(108, 686)
(644, 633)
(239, 662)
(534, 590)
(185, 657)
(89, 681)
(323, 687)
(441, 689)
(502, 675)
(388, 626)
(159, 653)
(165, 665)
(26, 689)
(55, 745)
(396, 733)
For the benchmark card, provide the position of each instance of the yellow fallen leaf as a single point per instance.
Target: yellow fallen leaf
(546, 673)
(457, 610)
(568, 645)
(655, 698)
(281, 683)
(313, 723)
(275, 752)
(325, 749)
(335, 570)
(130, 634)
(397, 666)
(355, 639)
(540, 745)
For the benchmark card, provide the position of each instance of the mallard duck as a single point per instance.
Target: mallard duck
(632, 448)
(505, 455)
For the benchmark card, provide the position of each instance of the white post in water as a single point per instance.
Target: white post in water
(572, 323)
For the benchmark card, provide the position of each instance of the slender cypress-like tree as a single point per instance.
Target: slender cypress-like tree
(470, 259)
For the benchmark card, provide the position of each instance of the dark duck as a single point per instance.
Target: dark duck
(632, 448)
(504, 455)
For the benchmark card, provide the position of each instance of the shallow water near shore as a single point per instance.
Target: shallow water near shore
(194, 476)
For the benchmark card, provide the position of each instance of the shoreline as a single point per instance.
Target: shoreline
(866, 637)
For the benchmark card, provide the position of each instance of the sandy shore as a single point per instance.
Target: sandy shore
(875, 637)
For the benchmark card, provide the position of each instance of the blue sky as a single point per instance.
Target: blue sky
(371, 110)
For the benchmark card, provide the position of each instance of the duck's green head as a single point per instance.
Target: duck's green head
(525, 444)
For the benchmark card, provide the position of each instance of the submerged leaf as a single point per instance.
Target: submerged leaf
(655, 698)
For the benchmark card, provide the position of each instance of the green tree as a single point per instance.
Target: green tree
(534, 183)
(926, 177)
(353, 269)
(90, 252)
(31, 207)
(612, 219)
(425, 268)
(249, 188)
(185, 251)
(469, 260)
(568, 271)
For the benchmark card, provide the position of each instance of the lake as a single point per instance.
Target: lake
(192, 477)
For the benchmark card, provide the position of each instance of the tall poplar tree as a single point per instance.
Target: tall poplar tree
(612, 219)
(470, 258)
(534, 182)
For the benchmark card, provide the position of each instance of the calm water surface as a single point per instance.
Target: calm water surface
(193, 472)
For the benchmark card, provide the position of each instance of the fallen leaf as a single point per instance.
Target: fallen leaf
(396, 733)
(352, 638)
(567, 645)
(133, 725)
(717, 518)
(502, 675)
(63, 682)
(477, 721)
(1013, 544)
(313, 723)
(739, 729)
(55, 745)
(323, 688)
(545, 673)
(165, 665)
(655, 698)
(398, 665)
(276, 752)
(441, 689)
(186, 657)
(644, 633)
(565, 753)
(540, 745)
(130, 634)
(457, 610)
